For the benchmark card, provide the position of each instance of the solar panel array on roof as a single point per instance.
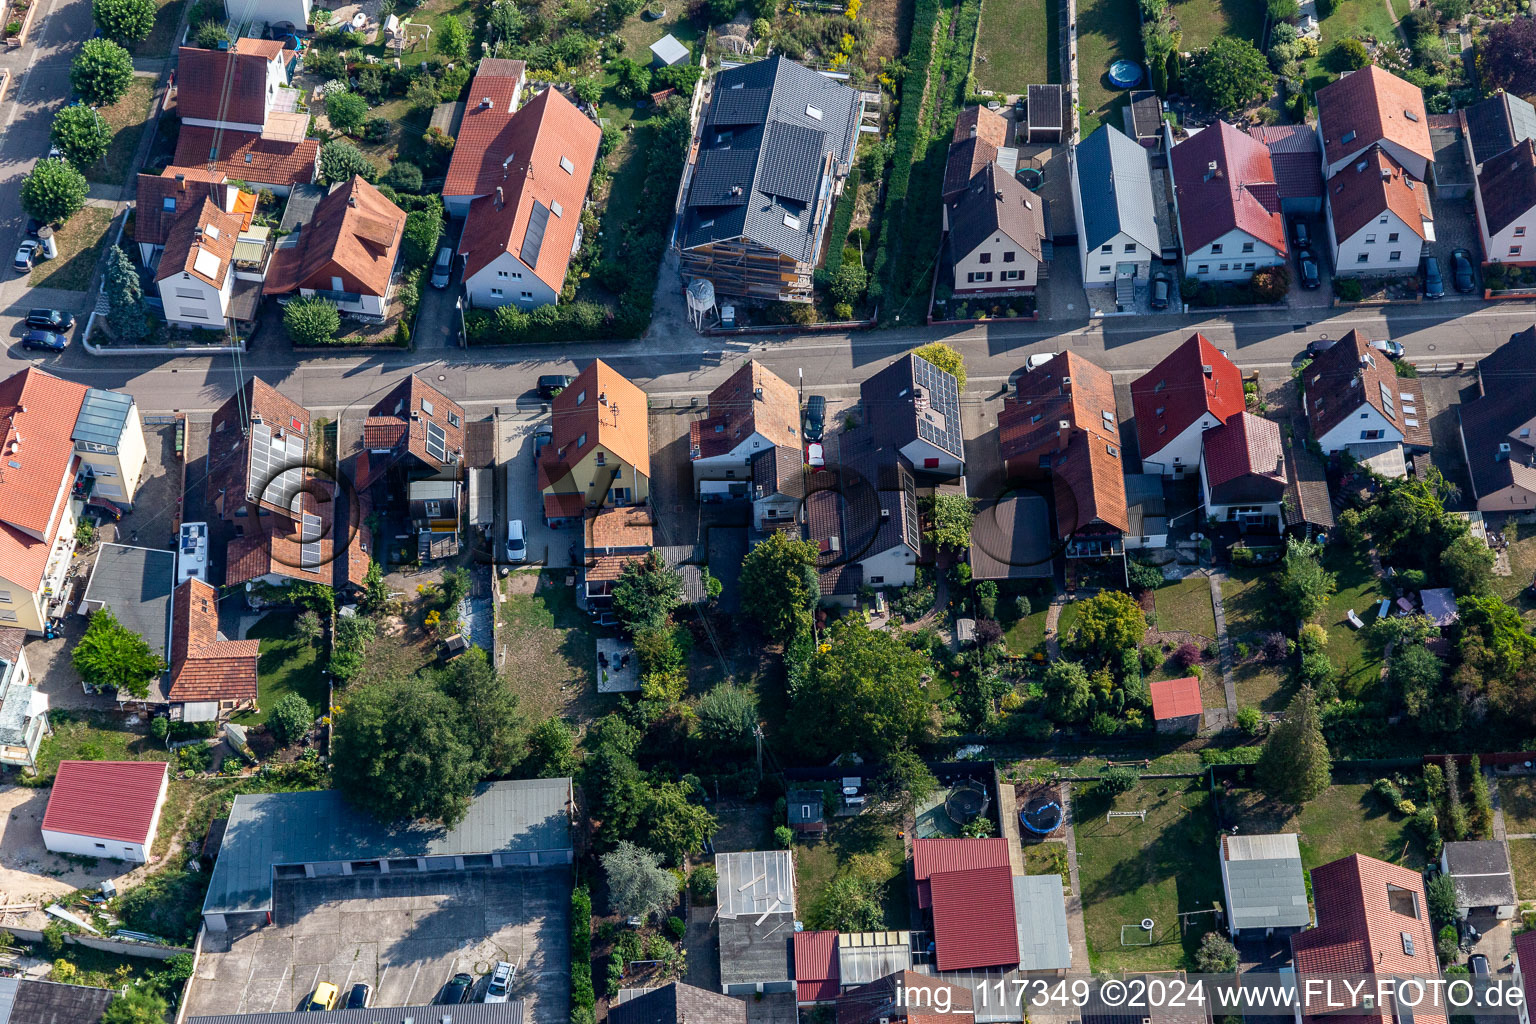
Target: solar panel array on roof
(939, 422)
(102, 417)
(723, 177)
(437, 442)
(309, 548)
(533, 240)
(745, 105)
(791, 162)
(276, 466)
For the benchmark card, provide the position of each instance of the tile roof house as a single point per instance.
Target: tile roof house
(816, 966)
(486, 137)
(775, 146)
(995, 233)
(913, 407)
(414, 430)
(1116, 225)
(1063, 425)
(23, 707)
(1373, 108)
(1226, 204)
(1481, 873)
(862, 516)
(894, 999)
(1497, 125)
(981, 123)
(1297, 156)
(1308, 506)
(1176, 705)
(1355, 401)
(276, 163)
(1242, 472)
(105, 809)
(1264, 883)
(678, 1003)
(211, 676)
(233, 87)
(57, 435)
(1011, 539)
(519, 237)
(1496, 428)
(196, 273)
(1506, 205)
(348, 252)
(599, 454)
(966, 159)
(754, 410)
(755, 904)
(1193, 389)
(164, 198)
(1372, 918)
(1379, 217)
(966, 885)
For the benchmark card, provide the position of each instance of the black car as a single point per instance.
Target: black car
(44, 341)
(1309, 278)
(1434, 284)
(359, 997)
(1303, 238)
(1321, 345)
(1478, 963)
(1160, 292)
(551, 384)
(458, 989)
(32, 225)
(50, 319)
(815, 417)
(1461, 271)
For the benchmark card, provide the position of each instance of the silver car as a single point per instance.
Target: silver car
(499, 988)
(442, 269)
(517, 542)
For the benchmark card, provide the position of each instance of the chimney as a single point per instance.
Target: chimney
(352, 199)
(486, 103)
(757, 393)
(1066, 385)
(1212, 170)
(998, 195)
(602, 398)
(499, 199)
(181, 182)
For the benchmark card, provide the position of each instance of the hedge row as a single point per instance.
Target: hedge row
(842, 220)
(583, 1001)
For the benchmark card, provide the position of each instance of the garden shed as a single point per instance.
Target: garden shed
(667, 51)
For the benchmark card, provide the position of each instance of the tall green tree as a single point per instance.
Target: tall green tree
(551, 750)
(672, 822)
(727, 717)
(340, 160)
(125, 297)
(647, 592)
(1467, 565)
(54, 191)
(81, 134)
(124, 21)
(112, 656)
(489, 708)
(452, 38)
(101, 72)
(1067, 694)
(422, 229)
(638, 886)
(1109, 624)
(950, 518)
(862, 692)
(1295, 766)
(346, 111)
(905, 779)
(780, 574)
(1231, 74)
(1305, 586)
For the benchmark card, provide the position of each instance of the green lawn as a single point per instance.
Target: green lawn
(867, 845)
(1522, 864)
(1048, 859)
(1518, 798)
(1346, 819)
(1261, 685)
(1107, 31)
(79, 241)
(432, 13)
(1130, 870)
(1026, 634)
(1522, 566)
(127, 117)
(1067, 619)
(1358, 663)
(1203, 21)
(89, 736)
(1245, 602)
(1186, 606)
(1349, 19)
(287, 665)
(552, 673)
(1016, 45)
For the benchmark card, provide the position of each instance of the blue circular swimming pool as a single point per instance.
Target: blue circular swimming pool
(1124, 73)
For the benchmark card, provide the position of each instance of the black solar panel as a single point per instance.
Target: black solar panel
(437, 442)
(791, 162)
(938, 417)
(533, 240)
(723, 178)
(309, 546)
(271, 479)
(746, 105)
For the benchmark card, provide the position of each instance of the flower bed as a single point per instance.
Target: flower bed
(18, 21)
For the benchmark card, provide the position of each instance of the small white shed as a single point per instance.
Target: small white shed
(667, 51)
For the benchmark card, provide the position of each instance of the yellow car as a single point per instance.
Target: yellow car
(324, 997)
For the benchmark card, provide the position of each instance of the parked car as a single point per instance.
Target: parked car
(442, 269)
(1321, 345)
(44, 341)
(26, 254)
(815, 417)
(1434, 284)
(1309, 276)
(50, 319)
(815, 455)
(360, 996)
(1392, 349)
(498, 989)
(323, 998)
(1461, 271)
(1160, 287)
(32, 225)
(1038, 360)
(457, 990)
(542, 435)
(1477, 963)
(1300, 233)
(551, 384)
(517, 542)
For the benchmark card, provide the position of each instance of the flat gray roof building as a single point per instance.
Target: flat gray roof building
(26, 1001)
(135, 584)
(755, 894)
(1040, 907)
(1481, 873)
(1263, 881)
(300, 835)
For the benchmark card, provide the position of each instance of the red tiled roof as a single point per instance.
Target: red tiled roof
(1175, 698)
(738, 411)
(1351, 374)
(354, 235)
(1238, 193)
(1368, 188)
(984, 124)
(564, 505)
(1376, 106)
(1177, 392)
(816, 966)
(1525, 963)
(973, 918)
(547, 136)
(247, 156)
(485, 138)
(186, 186)
(38, 410)
(1507, 184)
(931, 856)
(404, 413)
(600, 408)
(274, 547)
(207, 230)
(205, 666)
(105, 799)
(229, 454)
(1297, 157)
(222, 85)
(1245, 445)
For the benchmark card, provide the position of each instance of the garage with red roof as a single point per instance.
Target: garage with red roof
(105, 808)
(1176, 705)
(974, 925)
(816, 967)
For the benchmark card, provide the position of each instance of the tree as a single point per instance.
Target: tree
(727, 717)
(124, 21)
(1295, 766)
(551, 750)
(490, 710)
(672, 822)
(81, 134)
(862, 691)
(610, 776)
(340, 160)
(422, 228)
(1467, 565)
(125, 297)
(945, 358)
(54, 191)
(1108, 624)
(1216, 955)
(1350, 55)
(1067, 695)
(1119, 779)
(1440, 893)
(1415, 676)
(403, 176)
(1305, 586)
(375, 590)
(950, 517)
(346, 111)
(452, 38)
(401, 752)
(638, 886)
(111, 656)
(780, 574)
(634, 79)
(647, 591)
(291, 717)
(1507, 57)
(848, 282)
(101, 72)
(905, 779)
(311, 321)
(850, 902)
(1231, 74)
(1144, 576)
(138, 1005)
(784, 836)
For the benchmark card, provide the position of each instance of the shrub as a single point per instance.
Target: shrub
(346, 111)
(376, 130)
(1118, 779)
(1249, 719)
(784, 837)
(702, 882)
(1271, 283)
(1387, 791)
(311, 321)
(1187, 655)
(340, 160)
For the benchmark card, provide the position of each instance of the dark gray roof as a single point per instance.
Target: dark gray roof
(683, 558)
(1265, 884)
(1011, 539)
(796, 803)
(756, 950)
(300, 210)
(266, 829)
(136, 584)
(1498, 124)
(510, 1012)
(995, 201)
(1115, 181)
(778, 470)
(678, 1003)
(892, 413)
(48, 1002)
(1480, 870)
(1045, 106)
(102, 417)
(763, 153)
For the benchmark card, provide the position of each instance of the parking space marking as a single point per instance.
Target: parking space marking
(344, 984)
(246, 991)
(279, 987)
(316, 979)
(378, 992)
(413, 986)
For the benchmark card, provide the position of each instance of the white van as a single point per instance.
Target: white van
(442, 270)
(517, 542)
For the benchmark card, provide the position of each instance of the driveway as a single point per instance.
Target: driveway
(517, 481)
(437, 318)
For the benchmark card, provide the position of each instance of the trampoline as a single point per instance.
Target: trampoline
(966, 802)
(1124, 73)
(1031, 178)
(1042, 816)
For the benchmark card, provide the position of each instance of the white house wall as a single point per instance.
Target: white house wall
(932, 459)
(896, 567)
(997, 248)
(735, 464)
(520, 287)
(1516, 243)
(1363, 420)
(1099, 266)
(1373, 242)
(1412, 162)
(192, 302)
(1206, 263)
(1182, 454)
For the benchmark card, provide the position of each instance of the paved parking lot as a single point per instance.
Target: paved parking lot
(404, 934)
(521, 500)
